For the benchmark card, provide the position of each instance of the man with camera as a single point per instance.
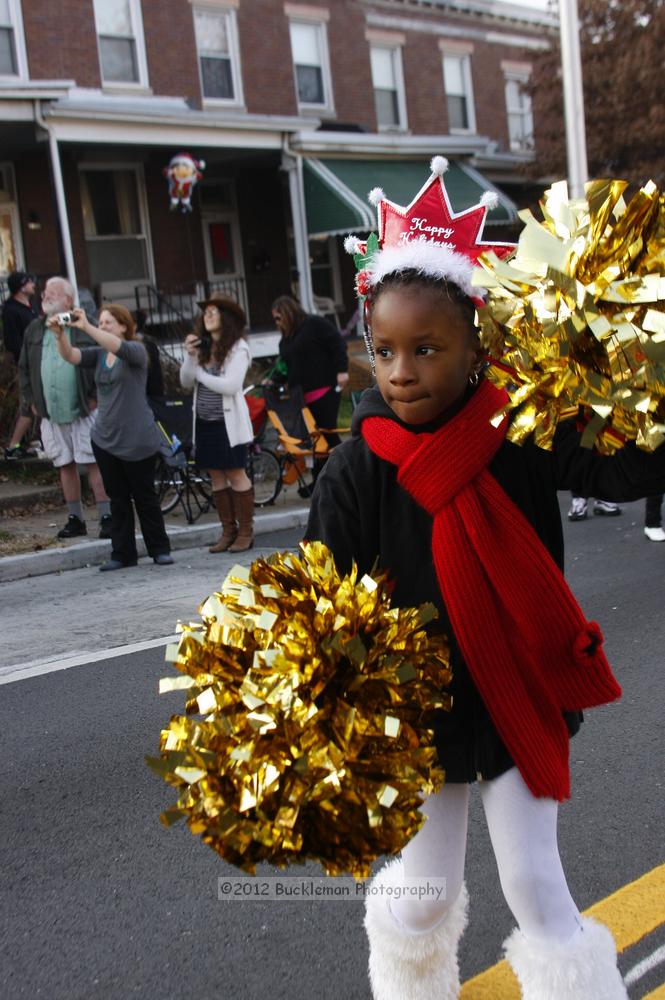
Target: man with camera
(63, 397)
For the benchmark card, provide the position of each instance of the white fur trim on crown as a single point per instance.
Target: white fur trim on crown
(351, 244)
(489, 199)
(427, 258)
(376, 195)
(439, 165)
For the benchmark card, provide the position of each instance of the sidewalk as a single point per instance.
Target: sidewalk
(32, 512)
(32, 515)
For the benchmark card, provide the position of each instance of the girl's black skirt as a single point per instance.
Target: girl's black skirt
(213, 450)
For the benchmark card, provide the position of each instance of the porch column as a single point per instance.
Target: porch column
(61, 202)
(293, 165)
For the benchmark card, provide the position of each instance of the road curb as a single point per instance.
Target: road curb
(31, 497)
(96, 551)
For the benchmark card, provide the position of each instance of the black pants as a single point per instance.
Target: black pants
(326, 412)
(126, 481)
(652, 516)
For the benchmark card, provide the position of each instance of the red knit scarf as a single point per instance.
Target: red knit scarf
(530, 651)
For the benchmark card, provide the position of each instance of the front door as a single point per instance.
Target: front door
(223, 251)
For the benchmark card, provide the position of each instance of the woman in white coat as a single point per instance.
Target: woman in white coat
(216, 362)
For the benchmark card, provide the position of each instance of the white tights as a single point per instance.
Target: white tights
(522, 829)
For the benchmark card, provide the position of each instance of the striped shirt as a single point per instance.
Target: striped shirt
(209, 404)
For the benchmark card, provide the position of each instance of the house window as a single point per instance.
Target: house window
(459, 93)
(388, 84)
(8, 63)
(12, 43)
(115, 230)
(310, 60)
(324, 266)
(219, 57)
(120, 38)
(518, 108)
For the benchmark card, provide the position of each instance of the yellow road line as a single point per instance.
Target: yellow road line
(497, 983)
(631, 913)
(635, 910)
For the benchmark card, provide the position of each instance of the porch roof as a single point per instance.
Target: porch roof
(336, 191)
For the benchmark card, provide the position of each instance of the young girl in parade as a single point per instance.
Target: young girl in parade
(429, 486)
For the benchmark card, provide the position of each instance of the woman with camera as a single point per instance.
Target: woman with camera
(125, 438)
(216, 362)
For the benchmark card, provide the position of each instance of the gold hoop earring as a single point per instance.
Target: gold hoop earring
(474, 378)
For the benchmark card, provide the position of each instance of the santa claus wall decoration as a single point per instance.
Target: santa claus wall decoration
(183, 173)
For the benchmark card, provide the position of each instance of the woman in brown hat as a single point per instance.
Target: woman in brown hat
(216, 362)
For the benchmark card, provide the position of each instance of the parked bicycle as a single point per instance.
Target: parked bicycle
(179, 480)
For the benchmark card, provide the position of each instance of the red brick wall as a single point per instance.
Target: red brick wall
(61, 41)
(35, 194)
(349, 65)
(489, 89)
(265, 56)
(168, 26)
(423, 82)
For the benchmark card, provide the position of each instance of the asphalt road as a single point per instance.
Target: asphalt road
(98, 900)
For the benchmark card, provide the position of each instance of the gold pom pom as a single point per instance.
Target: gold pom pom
(307, 732)
(577, 317)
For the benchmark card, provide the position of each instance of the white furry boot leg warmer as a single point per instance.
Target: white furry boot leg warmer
(585, 968)
(405, 966)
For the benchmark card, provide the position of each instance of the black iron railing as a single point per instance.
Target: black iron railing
(169, 312)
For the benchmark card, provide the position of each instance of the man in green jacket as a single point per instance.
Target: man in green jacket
(63, 397)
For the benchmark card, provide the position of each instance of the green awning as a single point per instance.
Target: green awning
(336, 191)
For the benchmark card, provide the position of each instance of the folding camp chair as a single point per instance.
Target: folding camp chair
(301, 443)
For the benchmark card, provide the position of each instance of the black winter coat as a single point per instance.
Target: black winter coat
(16, 317)
(315, 354)
(362, 513)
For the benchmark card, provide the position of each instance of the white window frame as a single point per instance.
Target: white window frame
(335, 271)
(16, 24)
(141, 59)
(137, 169)
(518, 73)
(463, 53)
(316, 17)
(396, 51)
(12, 207)
(226, 9)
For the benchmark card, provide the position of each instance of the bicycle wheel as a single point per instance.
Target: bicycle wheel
(168, 485)
(201, 481)
(265, 471)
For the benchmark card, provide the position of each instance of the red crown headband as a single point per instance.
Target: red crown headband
(426, 236)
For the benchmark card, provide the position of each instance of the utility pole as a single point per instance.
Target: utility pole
(573, 98)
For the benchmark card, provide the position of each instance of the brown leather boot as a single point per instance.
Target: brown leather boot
(243, 502)
(224, 504)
